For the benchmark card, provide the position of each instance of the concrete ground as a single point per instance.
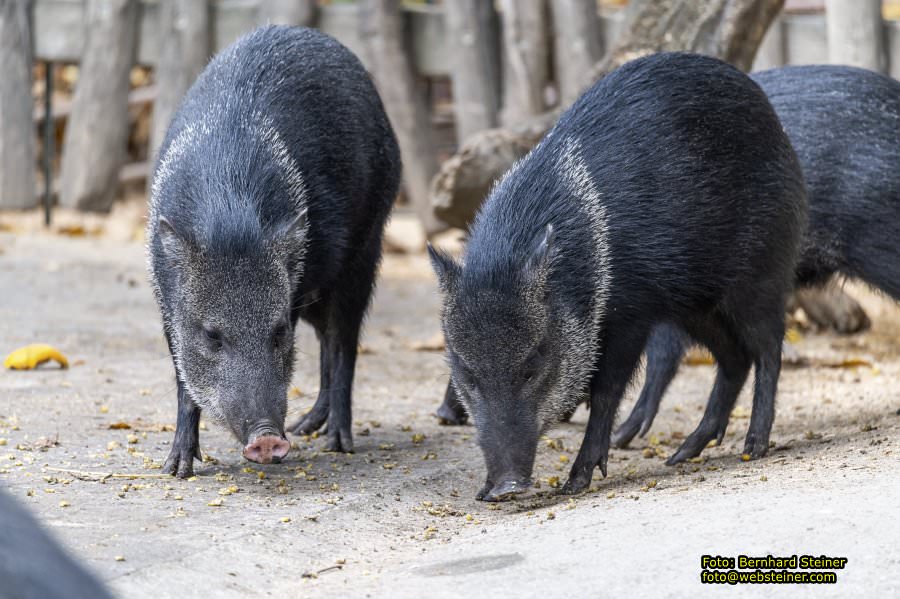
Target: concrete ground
(398, 518)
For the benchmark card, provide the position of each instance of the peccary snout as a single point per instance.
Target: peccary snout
(267, 449)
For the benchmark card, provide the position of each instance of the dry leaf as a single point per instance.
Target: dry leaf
(32, 356)
(433, 343)
(697, 356)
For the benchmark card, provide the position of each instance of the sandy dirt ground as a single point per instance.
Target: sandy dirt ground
(398, 518)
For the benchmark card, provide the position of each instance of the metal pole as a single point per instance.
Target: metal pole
(49, 141)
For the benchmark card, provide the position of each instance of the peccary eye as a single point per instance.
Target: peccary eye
(213, 338)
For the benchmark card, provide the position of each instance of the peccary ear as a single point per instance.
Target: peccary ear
(289, 240)
(175, 247)
(539, 261)
(445, 267)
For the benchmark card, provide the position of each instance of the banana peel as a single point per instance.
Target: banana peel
(32, 356)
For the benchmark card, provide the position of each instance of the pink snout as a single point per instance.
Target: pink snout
(267, 449)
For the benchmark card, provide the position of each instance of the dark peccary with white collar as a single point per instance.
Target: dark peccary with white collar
(269, 199)
(844, 124)
(667, 193)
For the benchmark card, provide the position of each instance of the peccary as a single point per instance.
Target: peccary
(844, 124)
(269, 200)
(33, 565)
(667, 192)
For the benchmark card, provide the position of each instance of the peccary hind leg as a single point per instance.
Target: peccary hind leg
(665, 349)
(452, 411)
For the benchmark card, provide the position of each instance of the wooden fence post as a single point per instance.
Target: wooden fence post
(856, 33)
(382, 32)
(184, 49)
(473, 35)
(17, 188)
(97, 132)
(577, 44)
(525, 59)
(288, 12)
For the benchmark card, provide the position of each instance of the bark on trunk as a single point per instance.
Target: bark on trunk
(472, 31)
(382, 33)
(97, 132)
(578, 44)
(526, 71)
(185, 47)
(16, 126)
(729, 29)
(289, 12)
(856, 34)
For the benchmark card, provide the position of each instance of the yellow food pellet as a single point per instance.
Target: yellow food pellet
(63, 504)
(132, 439)
(120, 558)
(764, 478)
(745, 457)
(611, 494)
(113, 445)
(651, 484)
(285, 520)
(553, 481)
(648, 453)
(104, 409)
(260, 475)
(469, 517)
(3, 442)
(551, 516)
(418, 438)
(216, 502)
(563, 458)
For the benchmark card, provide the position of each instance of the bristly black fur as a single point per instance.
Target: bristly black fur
(844, 124)
(271, 192)
(674, 196)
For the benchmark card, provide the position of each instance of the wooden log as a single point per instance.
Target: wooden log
(856, 34)
(729, 29)
(382, 33)
(17, 162)
(526, 71)
(577, 44)
(97, 132)
(185, 44)
(289, 12)
(473, 38)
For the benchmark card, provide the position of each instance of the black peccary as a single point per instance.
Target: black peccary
(844, 124)
(667, 192)
(33, 565)
(270, 196)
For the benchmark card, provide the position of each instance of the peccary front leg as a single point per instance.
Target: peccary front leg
(619, 361)
(452, 411)
(342, 350)
(665, 349)
(186, 445)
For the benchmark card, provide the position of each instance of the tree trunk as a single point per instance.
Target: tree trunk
(289, 12)
(525, 59)
(382, 33)
(184, 46)
(16, 127)
(729, 29)
(577, 44)
(856, 34)
(472, 31)
(97, 132)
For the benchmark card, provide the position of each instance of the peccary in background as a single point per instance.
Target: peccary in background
(844, 124)
(33, 565)
(270, 196)
(667, 193)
